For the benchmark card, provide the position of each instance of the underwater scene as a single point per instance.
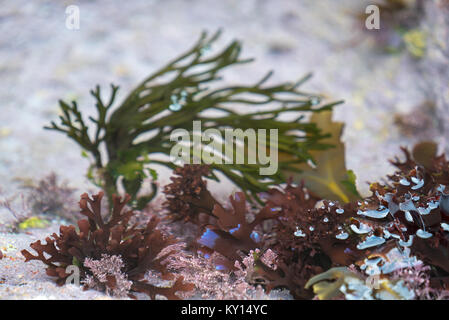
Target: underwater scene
(198, 150)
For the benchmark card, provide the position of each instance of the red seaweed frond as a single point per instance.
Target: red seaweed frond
(140, 248)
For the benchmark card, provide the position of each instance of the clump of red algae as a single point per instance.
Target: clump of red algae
(242, 251)
(188, 198)
(138, 250)
(213, 283)
(105, 269)
(417, 280)
(409, 211)
(50, 196)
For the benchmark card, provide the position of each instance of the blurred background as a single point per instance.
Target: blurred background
(395, 81)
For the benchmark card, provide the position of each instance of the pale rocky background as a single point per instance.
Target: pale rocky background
(42, 61)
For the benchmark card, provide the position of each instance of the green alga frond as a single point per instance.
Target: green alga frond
(133, 132)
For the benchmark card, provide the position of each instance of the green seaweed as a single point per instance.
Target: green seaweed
(33, 222)
(135, 132)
